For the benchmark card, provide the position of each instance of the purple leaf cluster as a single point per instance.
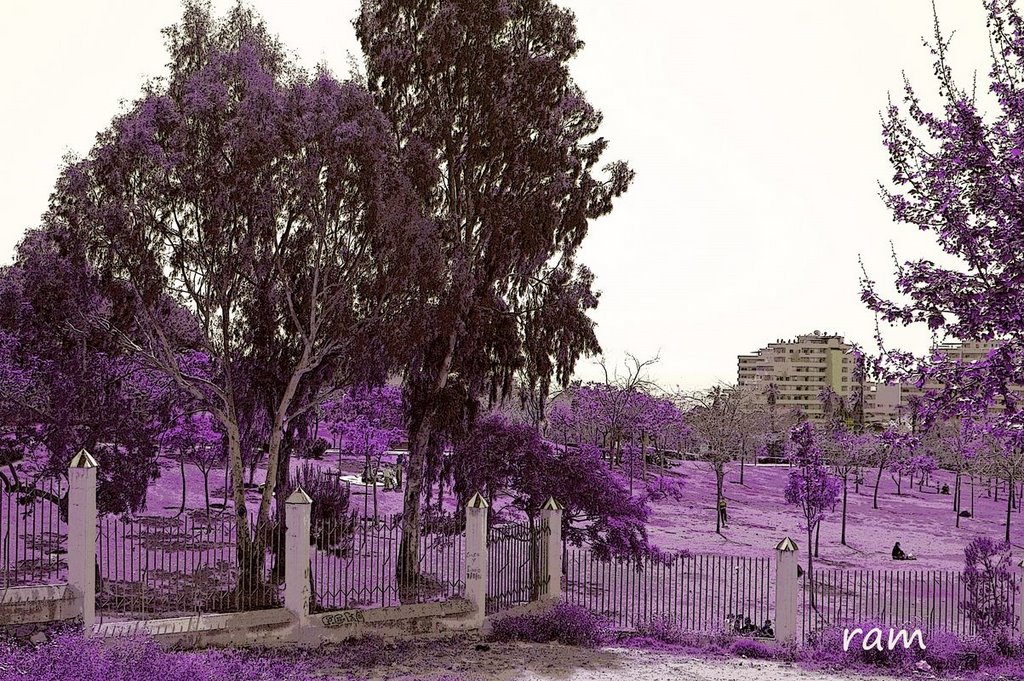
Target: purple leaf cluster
(570, 625)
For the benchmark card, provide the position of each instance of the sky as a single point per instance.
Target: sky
(753, 127)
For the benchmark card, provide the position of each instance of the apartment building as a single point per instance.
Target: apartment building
(800, 369)
(965, 351)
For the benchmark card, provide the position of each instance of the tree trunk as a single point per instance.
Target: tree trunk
(972, 495)
(817, 538)
(181, 464)
(810, 568)
(227, 481)
(409, 549)
(878, 481)
(743, 463)
(842, 531)
(1009, 508)
(719, 475)
(206, 490)
(956, 499)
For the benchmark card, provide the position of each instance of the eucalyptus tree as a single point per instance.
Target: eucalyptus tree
(503, 147)
(270, 204)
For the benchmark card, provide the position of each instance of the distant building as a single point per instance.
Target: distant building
(800, 369)
(966, 352)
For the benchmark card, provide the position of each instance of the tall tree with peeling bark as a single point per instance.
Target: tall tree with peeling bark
(268, 202)
(504, 147)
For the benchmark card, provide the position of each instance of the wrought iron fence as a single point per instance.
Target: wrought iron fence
(695, 592)
(516, 554)
(931, 600)
(33, 532)
(355, 560)
(165, 566)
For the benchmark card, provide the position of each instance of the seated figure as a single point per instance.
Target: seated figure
(900, 554)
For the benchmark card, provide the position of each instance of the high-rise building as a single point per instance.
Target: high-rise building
(801, 369)
(966, 352)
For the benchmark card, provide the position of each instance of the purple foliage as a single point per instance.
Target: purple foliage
(956, 173)
(661, 628)
(73, 658)
(989, 582)
(571, 625)
(757, 650)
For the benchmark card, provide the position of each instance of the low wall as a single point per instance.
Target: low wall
(26, 611)
(278, 627)
(532, 608)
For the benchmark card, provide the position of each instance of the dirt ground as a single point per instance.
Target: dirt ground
(553, 662)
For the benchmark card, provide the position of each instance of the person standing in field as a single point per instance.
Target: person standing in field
(723, 512)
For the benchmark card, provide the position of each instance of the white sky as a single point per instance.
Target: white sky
(753, 127)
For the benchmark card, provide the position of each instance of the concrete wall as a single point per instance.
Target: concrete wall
(279, 627)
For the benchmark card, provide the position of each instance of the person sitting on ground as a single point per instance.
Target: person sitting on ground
(945, 489)
(899, 554)
(748, 626)
(766, 630)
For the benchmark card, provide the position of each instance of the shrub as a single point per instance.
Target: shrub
(661, 628)
(570, 625)
(758, 650)
(989, 584)
(74, 658)
(826, 649)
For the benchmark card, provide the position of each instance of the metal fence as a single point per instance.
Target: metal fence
(931, 600)
(515, 554)
(695, 592)
(354, 562)
(165, 566)
(33, 533)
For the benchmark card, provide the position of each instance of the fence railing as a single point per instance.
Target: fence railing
(33, 533)
(695, 592)
(165, 566)
(354, 563)
(517, 558)
(932, 600)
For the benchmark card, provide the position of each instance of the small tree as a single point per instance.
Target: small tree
(810, 487)
(718, 419)
(989, 584)
(847, 453)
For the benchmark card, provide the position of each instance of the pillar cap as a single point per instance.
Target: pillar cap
(787, 545)
(299, 496)
(477, 501)
(83, 460)
(551, 505)
(1020, 563)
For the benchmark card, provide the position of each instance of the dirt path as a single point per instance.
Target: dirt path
(552, 662)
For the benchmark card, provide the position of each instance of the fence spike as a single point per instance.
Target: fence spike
(786, 544)
(83, 459)
(299, 496)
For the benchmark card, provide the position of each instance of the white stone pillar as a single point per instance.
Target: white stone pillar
(82, 535)
(297, 515)
(476, 557)
(551, 515)
(786, 591)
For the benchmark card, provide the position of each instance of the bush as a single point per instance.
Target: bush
(661, 628)
(317, 448)
(73, 658)
(757, 650)
(989, 583)
(570, 625)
